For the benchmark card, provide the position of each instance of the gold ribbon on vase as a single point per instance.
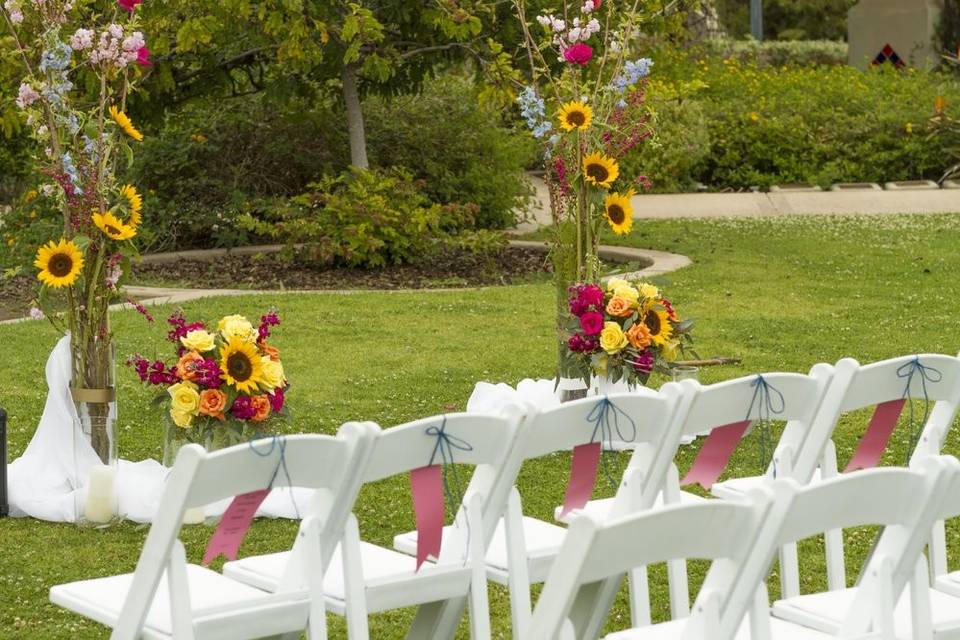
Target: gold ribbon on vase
(93, 396)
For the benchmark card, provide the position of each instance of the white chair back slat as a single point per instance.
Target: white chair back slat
(412, 445)
(879, 381)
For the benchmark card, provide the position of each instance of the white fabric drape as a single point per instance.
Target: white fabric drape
(42, 481)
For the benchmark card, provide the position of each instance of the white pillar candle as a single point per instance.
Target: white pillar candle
(193, 515)
(100, 494)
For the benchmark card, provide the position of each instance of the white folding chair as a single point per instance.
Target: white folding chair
(906, 502)
(365, 578)
(523, 548)
(167, 598)
(727, 403)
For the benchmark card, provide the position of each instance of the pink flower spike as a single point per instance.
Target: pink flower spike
(579, 53)
(143, 57)
(129, 5)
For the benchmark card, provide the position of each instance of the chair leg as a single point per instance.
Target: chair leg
(479, 605)
(639, 597)
(789, 571)
(355, 601)
(676, 569)
(317, 623)
(920, 607)
(518, 577)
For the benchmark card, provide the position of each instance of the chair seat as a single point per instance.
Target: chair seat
(598, 509)
(384, 573)
(543, 540)
(101, 599)
(673, 630)
(826, 612)
(738, 487)
(949, 583)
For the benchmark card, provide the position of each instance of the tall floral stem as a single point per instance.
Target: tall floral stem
(581, 210)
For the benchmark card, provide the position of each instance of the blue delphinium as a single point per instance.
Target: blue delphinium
(534, 111)
(633, 72)
(71, 170)
(56, 58)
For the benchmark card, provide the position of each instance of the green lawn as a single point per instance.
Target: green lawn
(782, 294)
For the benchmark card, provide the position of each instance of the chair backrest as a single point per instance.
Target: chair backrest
(487, 442)
(326, 463)
(741, 399)
(722, 531)
(855, 386)
(904, 501)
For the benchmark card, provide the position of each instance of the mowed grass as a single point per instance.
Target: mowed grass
(781, 293)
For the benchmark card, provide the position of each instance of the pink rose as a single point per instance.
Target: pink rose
(592, 294)
(143, 57)
(579, 53)
(591, 323)
(129, 5)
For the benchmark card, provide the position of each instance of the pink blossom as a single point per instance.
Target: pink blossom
(36, 313)
(591, 323)
(26, 96)
(579, 54)
(276, 399)
(82, 39)
(129, 5)
(143, 57)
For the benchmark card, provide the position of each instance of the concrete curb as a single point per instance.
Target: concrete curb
(658, 263)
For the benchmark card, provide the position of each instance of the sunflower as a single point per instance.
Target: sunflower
(619, 212)
(134, 205)
(123, 121)
(113, 228)
(242, 365)
(575, 115)
(659, 325)
(600, 170)
(59, 264)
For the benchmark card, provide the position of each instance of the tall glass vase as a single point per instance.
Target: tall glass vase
(93, 389)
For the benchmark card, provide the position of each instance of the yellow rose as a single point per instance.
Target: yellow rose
(182, 420)
(185, 398)
(198, 340)
(272, 372)
(628, 292)
(614, 283)
(612, 338)
(648, 290)
(671, 350)
(237, 327)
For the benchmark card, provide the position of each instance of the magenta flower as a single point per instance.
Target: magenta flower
(579, 53)
(579, 344)
(591, 323)
(267, 321)
(242, 408)
(276, 399)
(644, 362)
(129, 5)
(592, 295)
(143, 57)
(208, 374)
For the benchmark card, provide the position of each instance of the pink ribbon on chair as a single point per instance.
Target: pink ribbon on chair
(583, 476)
(426, 484)
(875, 438)
(233, 527)
(715, 454)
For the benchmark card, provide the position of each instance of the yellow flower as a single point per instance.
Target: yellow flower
(181, 419)
(908, 128)
(648, 290)
(123, 121)
(113, 228)
(612, 338)
(659, 324)
(30, 196)
(198, 340)
(59, 264)
(237, 326)
(242, 366)
(671, 350)
(272, 372)
(619, 212)
(575, 115)
(134, 205)
(627, 291)
(185, 400)
(615, 283)
(754, 116)
(600, 170)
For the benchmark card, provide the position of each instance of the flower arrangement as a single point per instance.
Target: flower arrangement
(624, 330)
(225, 385)
(586, 102)
(79, 66)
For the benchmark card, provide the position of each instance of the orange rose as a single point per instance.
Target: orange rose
(619, 307)
(639, 335)
(186, 367)
(212, 403)
(261, 405)
(270, 351)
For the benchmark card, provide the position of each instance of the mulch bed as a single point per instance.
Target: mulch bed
(453, 268)
(15, 296)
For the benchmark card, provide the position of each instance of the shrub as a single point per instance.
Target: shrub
(788, 19)
(779, 53)
(361, 219)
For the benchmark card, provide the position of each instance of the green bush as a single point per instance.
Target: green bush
(361, 219)
(788, 19)
(779, 53)
(766, 125)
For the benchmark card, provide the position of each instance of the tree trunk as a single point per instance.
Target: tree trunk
(358, 137)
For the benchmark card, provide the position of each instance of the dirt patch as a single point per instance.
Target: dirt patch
(15, 296)
(452, 268)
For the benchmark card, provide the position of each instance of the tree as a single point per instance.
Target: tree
(237, 47)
